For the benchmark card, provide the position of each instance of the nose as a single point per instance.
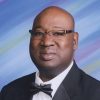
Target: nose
(47, 40)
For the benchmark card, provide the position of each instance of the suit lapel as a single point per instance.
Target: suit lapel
(61, 94)
(69, 89)
(25, 92)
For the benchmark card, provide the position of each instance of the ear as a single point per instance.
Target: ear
(75, 41)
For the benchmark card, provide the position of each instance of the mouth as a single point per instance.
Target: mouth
(47, 56)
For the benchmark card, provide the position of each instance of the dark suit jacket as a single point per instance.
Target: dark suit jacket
(76, 86)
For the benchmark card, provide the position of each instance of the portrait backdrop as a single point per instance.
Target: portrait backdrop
(16, 18)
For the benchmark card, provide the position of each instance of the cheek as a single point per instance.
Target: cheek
(66, 44)
(34, 44)
(34, 47)
(66, 49)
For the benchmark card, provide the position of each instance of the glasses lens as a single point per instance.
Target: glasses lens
(55, 33)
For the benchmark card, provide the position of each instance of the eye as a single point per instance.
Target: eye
(38, 33)
(59, 33)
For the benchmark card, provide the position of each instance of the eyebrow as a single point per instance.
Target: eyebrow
(39, 26)
(58, 27)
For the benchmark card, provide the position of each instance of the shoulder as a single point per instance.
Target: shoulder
(20, 82)
(87, 79)
(83, 76)
(84, 85)
(17, 88)
(83, 80)
(90, 86)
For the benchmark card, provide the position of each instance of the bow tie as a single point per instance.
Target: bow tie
(44, 88)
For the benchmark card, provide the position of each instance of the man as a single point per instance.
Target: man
(52, 45)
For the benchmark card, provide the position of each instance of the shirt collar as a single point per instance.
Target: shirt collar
(55, 82)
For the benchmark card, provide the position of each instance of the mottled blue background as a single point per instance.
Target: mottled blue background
(16, 18)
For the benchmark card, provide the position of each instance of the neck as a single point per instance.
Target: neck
(46, 76)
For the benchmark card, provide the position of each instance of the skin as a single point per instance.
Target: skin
(52, 56)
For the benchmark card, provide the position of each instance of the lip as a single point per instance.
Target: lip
(47, 56)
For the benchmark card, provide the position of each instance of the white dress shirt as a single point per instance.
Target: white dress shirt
(55, 83)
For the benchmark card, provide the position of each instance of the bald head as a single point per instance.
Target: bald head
(54, 14)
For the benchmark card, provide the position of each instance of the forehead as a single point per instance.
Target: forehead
(53, 18)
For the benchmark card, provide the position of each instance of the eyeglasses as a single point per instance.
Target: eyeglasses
(57, 34)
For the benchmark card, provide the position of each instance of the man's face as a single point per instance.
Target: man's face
(52, 52)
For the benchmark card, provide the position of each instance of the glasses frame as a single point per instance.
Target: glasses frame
(66, 32)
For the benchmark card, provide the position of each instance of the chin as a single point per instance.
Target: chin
(45, 66)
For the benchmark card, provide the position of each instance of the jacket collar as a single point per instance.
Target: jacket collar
(69, 87)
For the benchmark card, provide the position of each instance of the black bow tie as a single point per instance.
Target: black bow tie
(44, 88)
